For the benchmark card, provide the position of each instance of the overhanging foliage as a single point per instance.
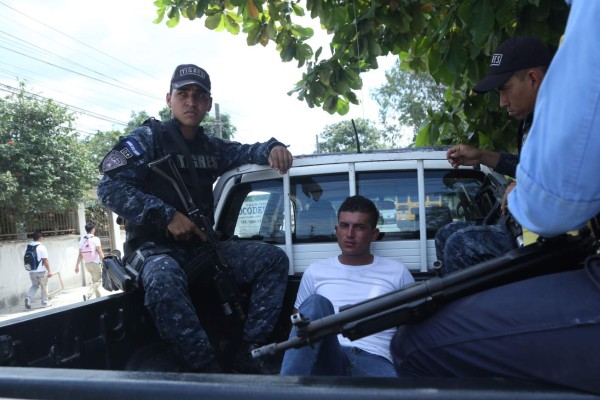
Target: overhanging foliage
(452, 40)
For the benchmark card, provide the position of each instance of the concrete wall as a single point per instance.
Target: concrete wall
(14, 279)
(62, 255)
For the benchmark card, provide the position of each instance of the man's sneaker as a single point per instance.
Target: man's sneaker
(46, 304)
(245, 364)
(85, 297)
(28, 303)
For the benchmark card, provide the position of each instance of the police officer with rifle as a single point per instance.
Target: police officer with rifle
(169, 241)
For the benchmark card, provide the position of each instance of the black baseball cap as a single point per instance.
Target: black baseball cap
(511, 56)
(187, 74)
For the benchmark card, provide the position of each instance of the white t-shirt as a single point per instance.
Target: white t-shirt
(347, 284)
(42, 252)
(95, 242)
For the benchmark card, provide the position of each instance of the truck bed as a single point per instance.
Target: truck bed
(88, 350)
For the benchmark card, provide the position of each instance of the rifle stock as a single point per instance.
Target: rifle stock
(417, 301)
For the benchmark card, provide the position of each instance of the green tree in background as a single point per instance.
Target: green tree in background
(210, 125)
(404, 100)
(452, 40)
(165, 114)
(101, 142)
(43, 167)
(136, 120)
(340, 137)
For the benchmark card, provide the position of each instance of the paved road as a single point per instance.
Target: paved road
(64, 297)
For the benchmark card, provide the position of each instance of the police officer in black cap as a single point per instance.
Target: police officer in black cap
(517, 69)
(157, 224)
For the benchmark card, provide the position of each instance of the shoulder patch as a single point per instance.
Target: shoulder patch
(113, 160)
(127, 148)
(133, 147)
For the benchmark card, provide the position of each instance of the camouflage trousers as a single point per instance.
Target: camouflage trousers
(260, 266)
(461, 244)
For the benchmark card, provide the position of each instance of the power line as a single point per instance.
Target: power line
(59, 57)
(91, 98)
(14, 90)
(77, 40)
(79, 73)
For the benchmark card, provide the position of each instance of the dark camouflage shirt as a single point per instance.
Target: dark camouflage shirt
(125, 170)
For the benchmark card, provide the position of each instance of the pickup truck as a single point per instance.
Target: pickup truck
(93, 350)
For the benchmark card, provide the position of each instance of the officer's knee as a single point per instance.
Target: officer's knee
(162, 274)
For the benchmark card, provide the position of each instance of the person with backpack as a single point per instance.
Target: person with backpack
(90, 251)
(36, 262)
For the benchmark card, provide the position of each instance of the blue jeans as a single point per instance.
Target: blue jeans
(327, 357)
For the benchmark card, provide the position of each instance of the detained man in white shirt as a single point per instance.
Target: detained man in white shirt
(353, 276)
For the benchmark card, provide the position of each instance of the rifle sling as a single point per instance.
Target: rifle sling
(175, 133)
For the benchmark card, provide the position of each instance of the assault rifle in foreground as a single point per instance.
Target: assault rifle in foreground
(415, 302)
(227, 291)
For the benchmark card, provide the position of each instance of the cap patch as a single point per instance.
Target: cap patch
(192, 71)
(496, 60)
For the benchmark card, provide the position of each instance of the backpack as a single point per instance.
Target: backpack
(31, 258)
(88, 250)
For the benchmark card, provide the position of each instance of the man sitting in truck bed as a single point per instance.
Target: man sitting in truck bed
(353, 276)
(164, 239)
(516, 72)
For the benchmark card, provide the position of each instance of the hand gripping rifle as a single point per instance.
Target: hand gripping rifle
(227, 291)
(415, 302)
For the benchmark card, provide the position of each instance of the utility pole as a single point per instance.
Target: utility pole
(219, 130)
(318, 145)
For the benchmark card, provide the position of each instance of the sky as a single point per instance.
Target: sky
(108, 59)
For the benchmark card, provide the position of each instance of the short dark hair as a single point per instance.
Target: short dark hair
(360, 204)
(37, 235)
(89, 226)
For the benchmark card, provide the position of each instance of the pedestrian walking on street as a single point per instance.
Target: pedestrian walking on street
(40, 273)
(90, 251)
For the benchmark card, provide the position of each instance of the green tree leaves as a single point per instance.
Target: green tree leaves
(42, 165)
(341, 137)
(404, 100)
(452, 40)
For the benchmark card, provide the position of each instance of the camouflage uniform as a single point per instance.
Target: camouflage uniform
(463, 243)
(124, 189)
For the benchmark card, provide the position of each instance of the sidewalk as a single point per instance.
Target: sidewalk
(64, 297)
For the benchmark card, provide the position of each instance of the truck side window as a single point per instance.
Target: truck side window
(396, 195)
(317, 199)
(255, 212)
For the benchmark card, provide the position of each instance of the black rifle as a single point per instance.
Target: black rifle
(227, 291)
(415, 302)
(116, 275)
